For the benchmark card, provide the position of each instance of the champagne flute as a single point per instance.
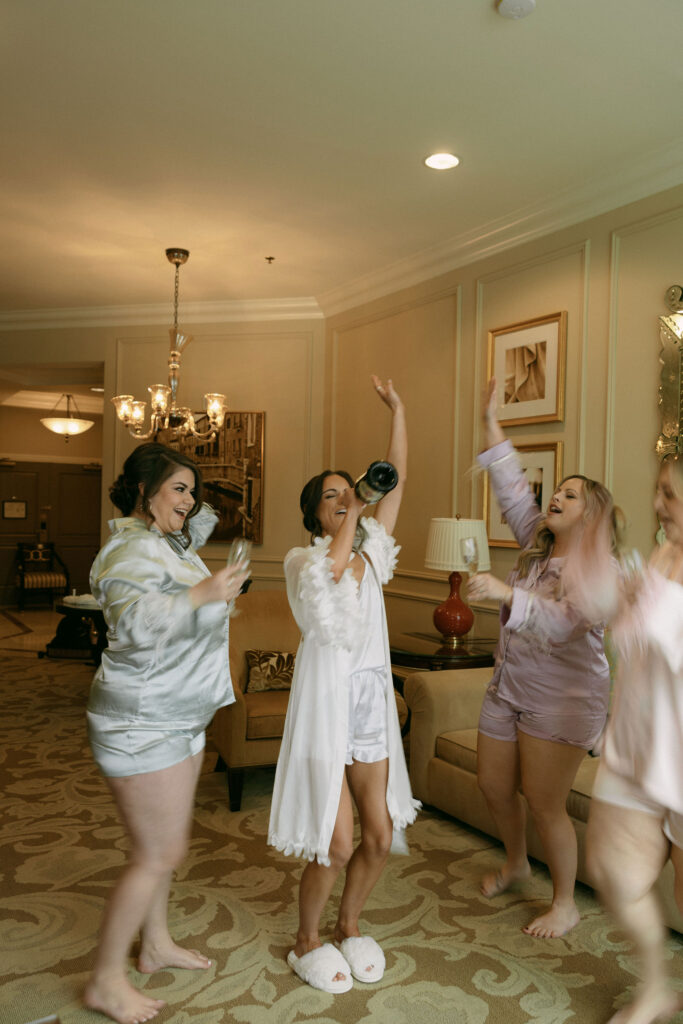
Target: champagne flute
(239, 552)
(469, 549)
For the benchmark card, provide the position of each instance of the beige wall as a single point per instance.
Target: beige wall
(312, 380)
(610, 275)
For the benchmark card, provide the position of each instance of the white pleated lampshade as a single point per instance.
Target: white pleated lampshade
(445, 549)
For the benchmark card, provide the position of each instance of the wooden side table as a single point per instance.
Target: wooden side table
(415, 652)
(81, 634)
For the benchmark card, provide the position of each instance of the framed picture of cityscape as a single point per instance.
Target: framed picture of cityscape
(232, 468)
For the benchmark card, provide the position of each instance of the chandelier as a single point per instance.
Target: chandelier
(67, 424)
(165, 413)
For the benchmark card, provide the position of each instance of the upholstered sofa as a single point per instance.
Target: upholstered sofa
(248, 733)
(444, 710)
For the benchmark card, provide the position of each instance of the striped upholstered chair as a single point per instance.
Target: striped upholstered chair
(40, 570)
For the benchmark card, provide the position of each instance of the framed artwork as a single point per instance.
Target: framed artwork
(232, 468)
(542, 465)
(14, 509)
(528, 361)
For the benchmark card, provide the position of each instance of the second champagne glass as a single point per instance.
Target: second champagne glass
(469, 549)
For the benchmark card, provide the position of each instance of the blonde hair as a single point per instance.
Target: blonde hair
(676, 475)
(600, 508)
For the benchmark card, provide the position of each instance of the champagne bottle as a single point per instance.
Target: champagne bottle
(378, 479)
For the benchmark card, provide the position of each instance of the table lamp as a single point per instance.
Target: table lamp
(456, 545)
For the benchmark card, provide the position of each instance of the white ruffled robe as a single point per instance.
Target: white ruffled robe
(311, 764)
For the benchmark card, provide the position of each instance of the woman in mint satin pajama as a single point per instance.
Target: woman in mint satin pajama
(163, 675)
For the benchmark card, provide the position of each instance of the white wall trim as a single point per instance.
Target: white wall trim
(583, 377)
(7, 458)
(636, 227)
(613, 331)
(229, 311)
(655, 172)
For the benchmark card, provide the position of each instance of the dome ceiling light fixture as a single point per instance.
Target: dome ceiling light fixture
(68, 424)
(516, 8)
(442, 161)
(165, 414)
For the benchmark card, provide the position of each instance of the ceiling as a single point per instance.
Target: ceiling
(242, 129)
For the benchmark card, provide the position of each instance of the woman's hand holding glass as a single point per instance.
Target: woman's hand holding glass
(469, 550)
(223, 585)
(483, 586)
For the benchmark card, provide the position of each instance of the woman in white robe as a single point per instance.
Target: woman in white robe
(636, 817)
(163, 675)
(342, 741)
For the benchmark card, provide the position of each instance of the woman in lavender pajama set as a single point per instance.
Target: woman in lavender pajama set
(547, 702)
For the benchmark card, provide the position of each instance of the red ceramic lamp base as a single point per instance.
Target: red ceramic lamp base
(453, 619)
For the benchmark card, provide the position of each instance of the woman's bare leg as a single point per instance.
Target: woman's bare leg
(368, 785)
(548, 772)
(157, 948)
(318, 880)
(156, 808)
(626, 850)
(498, 775)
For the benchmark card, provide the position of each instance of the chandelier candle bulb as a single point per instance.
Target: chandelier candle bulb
(378, 479)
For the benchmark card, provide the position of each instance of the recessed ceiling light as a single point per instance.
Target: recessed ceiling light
(99, 390)
(442, 161)
(516, 8)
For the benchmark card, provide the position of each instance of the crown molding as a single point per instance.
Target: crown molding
(230, 311)
(655, 172)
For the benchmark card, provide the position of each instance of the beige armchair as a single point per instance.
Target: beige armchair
(248, 733)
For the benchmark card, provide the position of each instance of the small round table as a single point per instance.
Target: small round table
(427, 652)
(81, 634)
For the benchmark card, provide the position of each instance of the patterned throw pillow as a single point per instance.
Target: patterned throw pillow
(269, 670)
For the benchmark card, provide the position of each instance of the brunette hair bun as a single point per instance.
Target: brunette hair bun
(124, 494)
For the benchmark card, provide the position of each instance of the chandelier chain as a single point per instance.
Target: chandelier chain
(175, 297)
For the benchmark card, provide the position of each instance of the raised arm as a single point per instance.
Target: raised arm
(493, 432)
(397, 454)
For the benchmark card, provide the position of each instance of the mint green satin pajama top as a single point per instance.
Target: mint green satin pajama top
(165, 671)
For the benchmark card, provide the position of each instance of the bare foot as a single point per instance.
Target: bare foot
(559, 920)
(156, 958)
(496, 882)
(652, 1004)
(117, 998)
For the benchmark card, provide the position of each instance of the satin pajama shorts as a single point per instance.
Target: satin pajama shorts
(501, 720)
(121, 748)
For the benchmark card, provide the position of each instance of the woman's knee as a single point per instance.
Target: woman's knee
(160, 860)
(377, 841)
(494, 789)
(340, 852)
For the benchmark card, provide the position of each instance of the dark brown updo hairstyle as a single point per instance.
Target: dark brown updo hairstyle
(311, 497)
(150, 464)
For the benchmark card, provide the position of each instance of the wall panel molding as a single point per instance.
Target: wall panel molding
(634, 228)
(582, 249)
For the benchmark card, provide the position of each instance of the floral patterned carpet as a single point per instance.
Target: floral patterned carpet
(452, 956)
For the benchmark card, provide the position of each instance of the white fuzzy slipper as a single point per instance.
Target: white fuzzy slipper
(364, 956)
(319, 967)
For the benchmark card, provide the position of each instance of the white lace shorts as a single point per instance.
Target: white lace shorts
(614, 789)
(367, 735)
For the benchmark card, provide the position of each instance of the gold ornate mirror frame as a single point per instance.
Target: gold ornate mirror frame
(670, 441)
